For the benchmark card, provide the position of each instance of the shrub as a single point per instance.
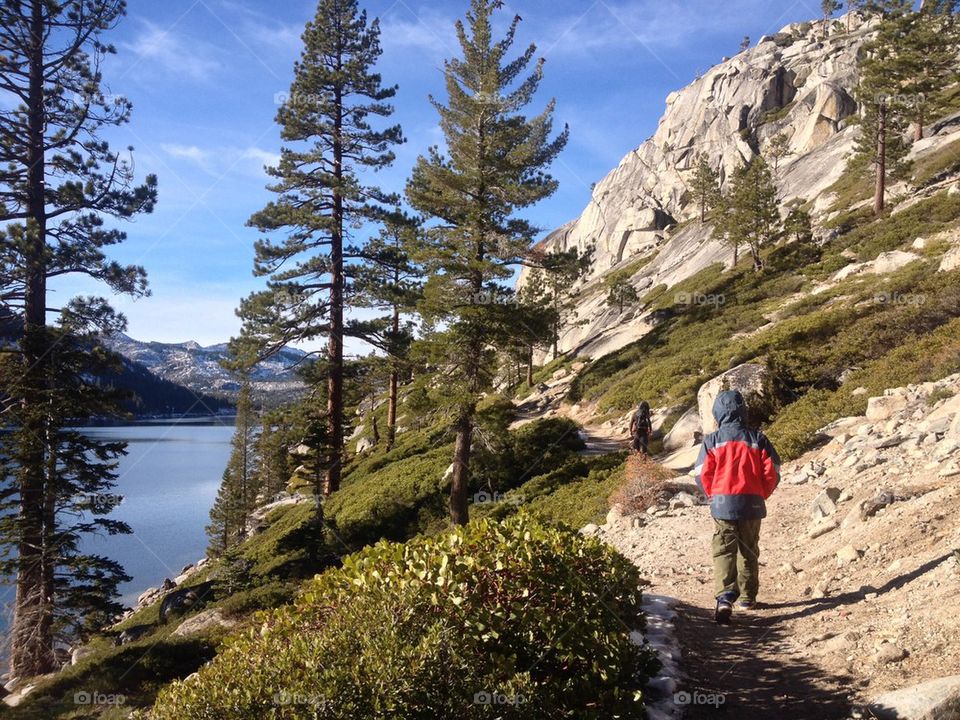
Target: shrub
(531, 614)
(645, 484)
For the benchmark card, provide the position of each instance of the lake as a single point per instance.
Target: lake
(168, 479)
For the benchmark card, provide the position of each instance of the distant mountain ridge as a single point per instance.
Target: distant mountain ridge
(198, 368)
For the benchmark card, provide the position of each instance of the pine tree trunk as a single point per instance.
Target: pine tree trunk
(393, 385)
(31, 636)
(459, 506)
(879, 196)
(530, 365)
(335, 347)
(918, 134)
(736, 255)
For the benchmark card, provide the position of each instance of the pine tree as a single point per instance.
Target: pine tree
(239, 487)
(320, 197)
(620, 291)
(930, 57)
(389, 279)
(829, 8)
(59, 181)
(533, 324)
(754, 218)
(745, 43)
(552, 285)
(778, 149)
(799, 225)
(884, 73)
(495, 165)
(705, 185)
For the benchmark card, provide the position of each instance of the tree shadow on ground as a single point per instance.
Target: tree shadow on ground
(752, 666)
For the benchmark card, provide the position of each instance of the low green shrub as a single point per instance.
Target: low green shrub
(511, 620)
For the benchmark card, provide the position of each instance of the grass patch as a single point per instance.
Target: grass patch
(937, 165)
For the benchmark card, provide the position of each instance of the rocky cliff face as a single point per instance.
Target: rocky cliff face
(795, 82)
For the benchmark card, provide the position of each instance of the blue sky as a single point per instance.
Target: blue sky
(204, 75)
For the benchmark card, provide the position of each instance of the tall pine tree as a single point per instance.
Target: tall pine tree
(321, 195)
(59, 180)
(496, 164)
(753, 218)
(884, 74)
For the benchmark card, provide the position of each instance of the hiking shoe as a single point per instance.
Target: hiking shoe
(724, 611)
(746, 605)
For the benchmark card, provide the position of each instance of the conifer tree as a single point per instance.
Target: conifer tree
(59, 181)
(389, 279)
(321, 195)
(552, 281)
(620, 291)
(495, 164)
(753, 218)
(885, 72)
(799, 225)
(778, 149)
(239, 487)
(705, 185)
(829, 8)
(930, 59)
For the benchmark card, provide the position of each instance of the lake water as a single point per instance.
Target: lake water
(168, 479)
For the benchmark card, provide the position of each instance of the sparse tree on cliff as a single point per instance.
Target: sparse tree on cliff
(705, 185)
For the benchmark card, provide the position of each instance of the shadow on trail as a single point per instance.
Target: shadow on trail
(750, 663)
(818, 605)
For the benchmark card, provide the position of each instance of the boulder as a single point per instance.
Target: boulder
(749, 379)
(364, 444)
(882, 408)
(951, 260)
(847, 554)
(892, 261)
(685, 433)
(185, 599)
(203, 622)
(932, 700)
(825, 504)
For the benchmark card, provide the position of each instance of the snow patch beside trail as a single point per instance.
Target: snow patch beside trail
(661, 635)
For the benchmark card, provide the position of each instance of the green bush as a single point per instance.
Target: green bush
(532, 615)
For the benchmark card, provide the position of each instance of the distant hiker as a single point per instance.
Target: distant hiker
(738, 469)
(640, 428)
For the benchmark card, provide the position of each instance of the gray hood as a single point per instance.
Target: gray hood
(730, 408)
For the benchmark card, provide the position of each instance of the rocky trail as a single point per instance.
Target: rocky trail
(860, 573)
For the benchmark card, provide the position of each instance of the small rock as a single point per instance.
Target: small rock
(890, 653)
(825, 504)
(822, 528)
(847, 554)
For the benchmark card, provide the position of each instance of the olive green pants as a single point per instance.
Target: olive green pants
(736, 558)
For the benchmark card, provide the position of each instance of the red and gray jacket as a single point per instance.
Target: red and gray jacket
(738, 468)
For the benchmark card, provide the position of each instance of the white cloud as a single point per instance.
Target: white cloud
(216, 161)
(261, 157)
(178, 55)
(186, 152)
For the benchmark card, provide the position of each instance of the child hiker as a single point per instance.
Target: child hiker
(738, 469)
